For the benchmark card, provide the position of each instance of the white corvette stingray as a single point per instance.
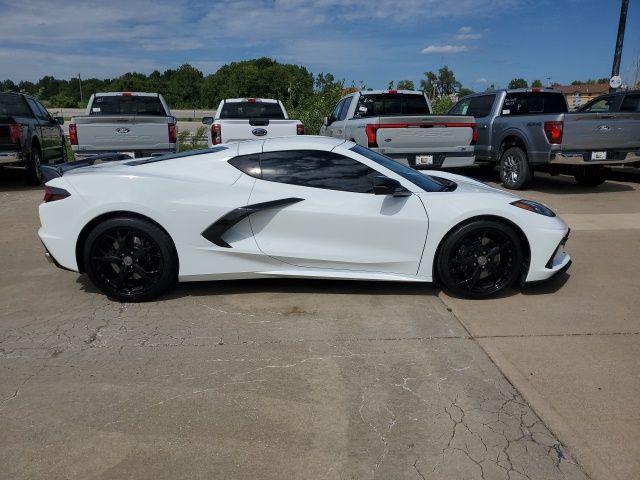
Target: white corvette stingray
(291, 207)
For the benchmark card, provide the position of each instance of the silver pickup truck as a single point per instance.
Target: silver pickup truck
(400, 124)
(523, 130)
(136, 123)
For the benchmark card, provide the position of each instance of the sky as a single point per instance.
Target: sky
(368, 42)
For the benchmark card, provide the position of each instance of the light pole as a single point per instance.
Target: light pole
(615, 69)
(80, 83)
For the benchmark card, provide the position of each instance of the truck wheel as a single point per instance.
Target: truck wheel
(591, 176)
(515, 171)
(34, 173)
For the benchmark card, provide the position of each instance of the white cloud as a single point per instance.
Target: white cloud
(482, 80)
(467, 33)
(445, 49)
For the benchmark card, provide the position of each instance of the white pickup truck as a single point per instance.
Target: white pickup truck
(136, 123)
(400, 125)
(238, 119)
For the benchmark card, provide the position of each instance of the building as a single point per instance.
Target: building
(578, 95)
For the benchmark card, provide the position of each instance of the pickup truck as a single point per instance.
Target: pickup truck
(136, 123)
(29, 135)
(523, 130)
(238, 119)
(400, 125)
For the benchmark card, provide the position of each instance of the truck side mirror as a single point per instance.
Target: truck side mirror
(207, 120)
(59, 120)
(325, 121)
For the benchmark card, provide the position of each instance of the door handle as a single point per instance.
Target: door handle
(483, 127)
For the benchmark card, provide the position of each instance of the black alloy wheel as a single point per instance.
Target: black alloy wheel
(515, 171)
(33, 163)
(480, 259)
(130, 259)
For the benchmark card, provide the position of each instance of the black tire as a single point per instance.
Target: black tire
(33, 174)
(479, 259)
(515, 171)
(65, 158)
(591, 176)
(130, 260)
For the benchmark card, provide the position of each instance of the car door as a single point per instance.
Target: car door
(628, 121)
(49, 132)
(338, 127)
(329, 128)
(327, 217)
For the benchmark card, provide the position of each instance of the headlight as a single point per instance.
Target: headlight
(534, 207)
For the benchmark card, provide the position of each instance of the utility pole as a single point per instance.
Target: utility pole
(80, 83)
(615, 69)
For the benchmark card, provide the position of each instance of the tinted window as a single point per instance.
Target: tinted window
(36, 110)
(336, 111)
(317, 169)
(600, 105)
(531, 103)
(249, 164)
(474, 106)
(631, 103)
(43, 111)
(345, 108)
(252, 110)
(13, 105)
(127, 105)
(426, 183)
(392, 104)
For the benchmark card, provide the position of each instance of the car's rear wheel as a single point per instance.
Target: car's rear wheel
(34, 172)
(480, 259)
(515, 171)
(130, 259)
(591, 176)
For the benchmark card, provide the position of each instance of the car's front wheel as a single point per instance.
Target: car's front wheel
(479, 259)
(515, 171)
(130, 259)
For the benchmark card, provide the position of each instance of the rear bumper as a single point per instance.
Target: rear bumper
(438, 159)
(10, 157)
(51, 259)
(83, 154)
(614, 157)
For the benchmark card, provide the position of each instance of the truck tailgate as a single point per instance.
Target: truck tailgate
(589, 131)
(122, 133)
(234, 130)
(416, 133)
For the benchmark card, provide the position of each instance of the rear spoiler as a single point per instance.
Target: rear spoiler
(49, 172)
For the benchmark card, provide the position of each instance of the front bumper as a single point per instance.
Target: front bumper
(613, 157)
(558, 262)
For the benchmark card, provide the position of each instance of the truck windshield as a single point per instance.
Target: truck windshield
(425, 182)
(13, 105)
(127, 105)
(392, 104)
(252, 110)
(531, 103)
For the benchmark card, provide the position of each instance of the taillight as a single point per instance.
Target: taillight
(371, 130)
(554, 132)
(300, 129)
(127, 94)
(73, 134)
(392, 92)
(51, 194)
(216, 134)
(15, 131)
(474, 136)
(173, 133)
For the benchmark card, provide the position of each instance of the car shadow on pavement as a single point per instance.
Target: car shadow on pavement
(13, 180)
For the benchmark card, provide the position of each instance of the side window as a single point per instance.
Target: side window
(481, 106)
(336, 111)
(317, 169)
(44, 112)
(249, 164)
(603, 105)
(631, 103)
(345, 108)
(461, 108)
(36, 110)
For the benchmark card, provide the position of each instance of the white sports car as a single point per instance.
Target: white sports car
(291, 207)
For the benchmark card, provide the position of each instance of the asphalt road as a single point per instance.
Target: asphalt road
(325, 379)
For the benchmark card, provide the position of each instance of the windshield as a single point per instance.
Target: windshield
(425, 182)
(127, 105)
(252, 110)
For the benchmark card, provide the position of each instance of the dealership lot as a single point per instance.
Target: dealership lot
(315, 379)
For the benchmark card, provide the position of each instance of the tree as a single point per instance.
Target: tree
(442, 105)
(464, 91)
(536, 84)
(406, 85)
(444, 83)
(518, 83)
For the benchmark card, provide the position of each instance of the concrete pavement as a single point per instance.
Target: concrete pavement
(252, 379)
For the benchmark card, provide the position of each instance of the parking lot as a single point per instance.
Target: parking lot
(327, 379)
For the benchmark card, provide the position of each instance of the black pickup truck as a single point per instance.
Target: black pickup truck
(29, 135)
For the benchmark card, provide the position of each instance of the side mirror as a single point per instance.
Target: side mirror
(59, 120)
(325, 121)
(388, 186)
(207, 120)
